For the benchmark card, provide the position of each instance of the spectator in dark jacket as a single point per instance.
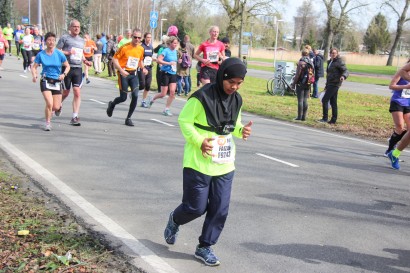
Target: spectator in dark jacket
(336, 74)
(319, 71)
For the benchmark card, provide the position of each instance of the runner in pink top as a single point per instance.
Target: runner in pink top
(213, 51)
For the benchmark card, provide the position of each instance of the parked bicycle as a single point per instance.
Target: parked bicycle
(278, 85)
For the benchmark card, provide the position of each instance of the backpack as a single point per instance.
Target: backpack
(308, 75)
(186, 60)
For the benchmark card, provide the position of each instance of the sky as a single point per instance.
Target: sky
(362, 19)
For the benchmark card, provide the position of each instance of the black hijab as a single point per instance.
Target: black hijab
(221, 108)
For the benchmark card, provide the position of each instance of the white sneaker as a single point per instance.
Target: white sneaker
(47, 126)
(25, 70)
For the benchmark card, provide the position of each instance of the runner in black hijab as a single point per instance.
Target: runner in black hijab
(222, 106)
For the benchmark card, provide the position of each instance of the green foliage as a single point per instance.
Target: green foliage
(5, 12)
(76, 10)
(377, 35)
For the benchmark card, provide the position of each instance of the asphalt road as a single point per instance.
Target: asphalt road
(304, 200)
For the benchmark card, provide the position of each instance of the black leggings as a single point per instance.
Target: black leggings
(303, 94)
(330, 95)
(27, 54)
(9, 41)
(18, 48)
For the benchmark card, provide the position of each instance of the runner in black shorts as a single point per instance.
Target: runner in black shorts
(72, 46)
(50, 82)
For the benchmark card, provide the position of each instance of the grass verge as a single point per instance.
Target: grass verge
(51, 240)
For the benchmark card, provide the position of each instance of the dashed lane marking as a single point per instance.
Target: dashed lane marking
(278, 160)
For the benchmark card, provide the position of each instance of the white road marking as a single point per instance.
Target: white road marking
(97, 101)
(278, 160)
(168, 124)
(325, 133)
(23, 76)
(116, 230)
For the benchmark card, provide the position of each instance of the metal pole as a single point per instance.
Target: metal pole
(128, 13)
(152, 30)
(276, 42)
(39, 17)
(29, 11)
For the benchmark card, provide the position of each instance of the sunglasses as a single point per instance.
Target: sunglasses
(136, 37)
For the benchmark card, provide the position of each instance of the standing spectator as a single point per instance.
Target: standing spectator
(208, 122)
(226, 42)
(127, 60)
(89, 48)
(3, 46)
(212, 50)
(111, 48)
(104, 48)
(183, 66)
(319, 71)
(336, 74)
(302, 87)
(98, 54)
(191, 51)
(72, 45)
(26, 43)
(17, 34)
(145, 80)
(8, 35)
(51, 76)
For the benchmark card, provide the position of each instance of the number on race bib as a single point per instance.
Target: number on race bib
(223, 150)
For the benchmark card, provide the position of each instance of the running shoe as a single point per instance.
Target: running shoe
(47, 126)
(25, 70)
(171, 230)
(87, 81)
(75, 121)
(150, 102)
(394, 161)
(59, 111)
(144, 104)
(206, 254)
(110, 109)
(9, 54)
(129, 122)
(167, 113)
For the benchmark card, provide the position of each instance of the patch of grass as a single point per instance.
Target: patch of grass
(55, 242)
(359, 114)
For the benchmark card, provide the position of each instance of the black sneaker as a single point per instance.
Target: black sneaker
(129, 122)
(87, 81)
(75, 121)
(110, 109)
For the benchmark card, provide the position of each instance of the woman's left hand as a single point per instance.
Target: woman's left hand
(246, 130)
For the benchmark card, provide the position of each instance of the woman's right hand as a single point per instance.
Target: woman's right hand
(207, 147)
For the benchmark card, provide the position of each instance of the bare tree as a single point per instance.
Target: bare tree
(402, 19)
(337, 19)
(304, 20)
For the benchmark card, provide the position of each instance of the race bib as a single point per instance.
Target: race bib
(87, 50)
(213, 56)
(405, 93)
(1, 45)
(27, 44)
(174, 67)
(132, 63)
(76, 54)
(222, 151)
(147, 61)
(53, 86)
(36, 46)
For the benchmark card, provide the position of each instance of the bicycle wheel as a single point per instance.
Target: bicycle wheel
(279, 88)
(269, 86)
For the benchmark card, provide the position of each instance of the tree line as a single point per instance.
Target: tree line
(322, 24)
